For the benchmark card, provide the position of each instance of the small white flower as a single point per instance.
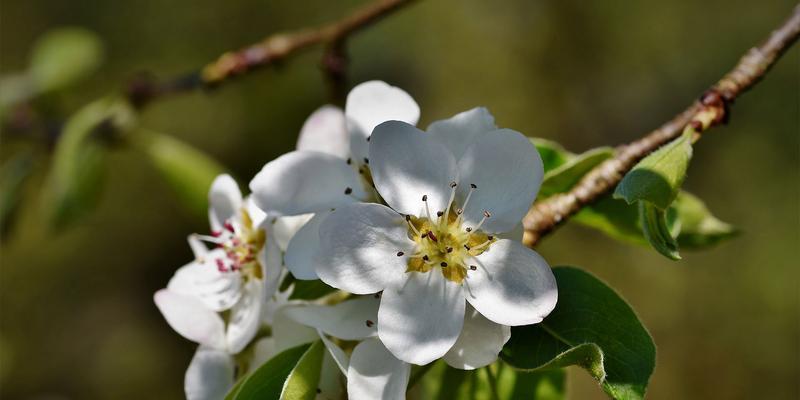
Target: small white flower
(454, 197)
(239, 274)
(330, 167)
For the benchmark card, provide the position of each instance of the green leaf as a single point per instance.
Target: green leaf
(613, 217)
(303, 381)
(187, 170)
(658, 177)
(268, 380)
(567, 175)
(553, 155)
(63, 57)
(698, 227)
(444, 382)
(13, 174)
(78, 165)
(310, 290)
(592, 327)
(657, 231)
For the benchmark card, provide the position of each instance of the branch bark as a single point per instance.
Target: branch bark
(144, 89)
(547, 214)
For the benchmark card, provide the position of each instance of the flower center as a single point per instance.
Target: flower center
(241, 243)
(443, 242)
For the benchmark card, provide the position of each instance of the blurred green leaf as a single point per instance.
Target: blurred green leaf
(698, 227)
(657, 231)
(187, 170)
(592, 327)
(63, 57)
(445, 382)
(268, 380)
(310, 290)
(303, 381)
(568, 174)
(13, 174)
(14, 89)
(553, 154)
(78, 164)
(658, 177)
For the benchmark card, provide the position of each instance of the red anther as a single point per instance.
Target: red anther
(432, 236)
(228, 226)
(221, 266)
(216, 233)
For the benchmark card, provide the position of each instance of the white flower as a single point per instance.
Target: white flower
(239, 274)
(330, 167)
(453, 197)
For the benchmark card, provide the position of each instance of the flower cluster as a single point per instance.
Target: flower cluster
(422, 226)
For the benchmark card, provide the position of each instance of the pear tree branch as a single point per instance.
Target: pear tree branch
(270, 51)
(711, 109)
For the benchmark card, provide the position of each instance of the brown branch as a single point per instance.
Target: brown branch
(144, 89)
(709, 110)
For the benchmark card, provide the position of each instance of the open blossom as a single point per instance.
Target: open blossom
(238, 275)
(330, 167)
(454, 197)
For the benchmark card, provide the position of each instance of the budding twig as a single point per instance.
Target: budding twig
(270, 51)
(709, 110)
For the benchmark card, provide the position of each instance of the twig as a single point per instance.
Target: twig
(269, 51)
(709, 110)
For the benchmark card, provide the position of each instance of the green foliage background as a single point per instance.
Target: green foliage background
(77, 318)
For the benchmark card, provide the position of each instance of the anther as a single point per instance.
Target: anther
(424, 197)
(439, 213)
(453, 184)
(466, 247)
(490, 237)
(400, 253)
(460, 211)
(449, 249)
(368, 137)
(424, 235)
(349, 161)
(425, 257)
(472, 267)
(348, 190)
(472, 185)
(408, 218)
(432, 236)
(487, 214)
(370, 324)
(469, 229)
(366, 160)
(444, 264)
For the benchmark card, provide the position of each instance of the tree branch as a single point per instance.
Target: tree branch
(709, 110)
(144, 89)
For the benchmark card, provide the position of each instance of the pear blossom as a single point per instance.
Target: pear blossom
(330, 168)
(239, 274)
(454, 199)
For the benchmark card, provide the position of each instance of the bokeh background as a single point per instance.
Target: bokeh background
(78, 321)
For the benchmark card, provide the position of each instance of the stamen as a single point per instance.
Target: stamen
(411, 225)
(432, 236)
(211, 239)
(453, 186)
(427, 209)
(482, 245)
(486, 215)
(472, 188)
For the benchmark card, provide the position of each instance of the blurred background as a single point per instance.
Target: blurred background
(77, 316)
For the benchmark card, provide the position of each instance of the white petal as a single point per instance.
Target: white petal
(513, 285)
(245, 316)
(271, 267)
(288, 333)
(199, 249)
(219, 291)
(348, 320)
(375, 374)
(257, 215)
(359, 244)
(284, 228)
(191, 318)
(458, 132)
(325, 131)
(210, 375)
(372, 103)
(341, 360)
(263, 350)
(508, 171)
(479, 343)
(407, 164)
(302, 250)
(225, 200)
(303, 182)
(515, 234)
(420, 320)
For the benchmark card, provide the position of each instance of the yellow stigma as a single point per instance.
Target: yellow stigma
(444, 244)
